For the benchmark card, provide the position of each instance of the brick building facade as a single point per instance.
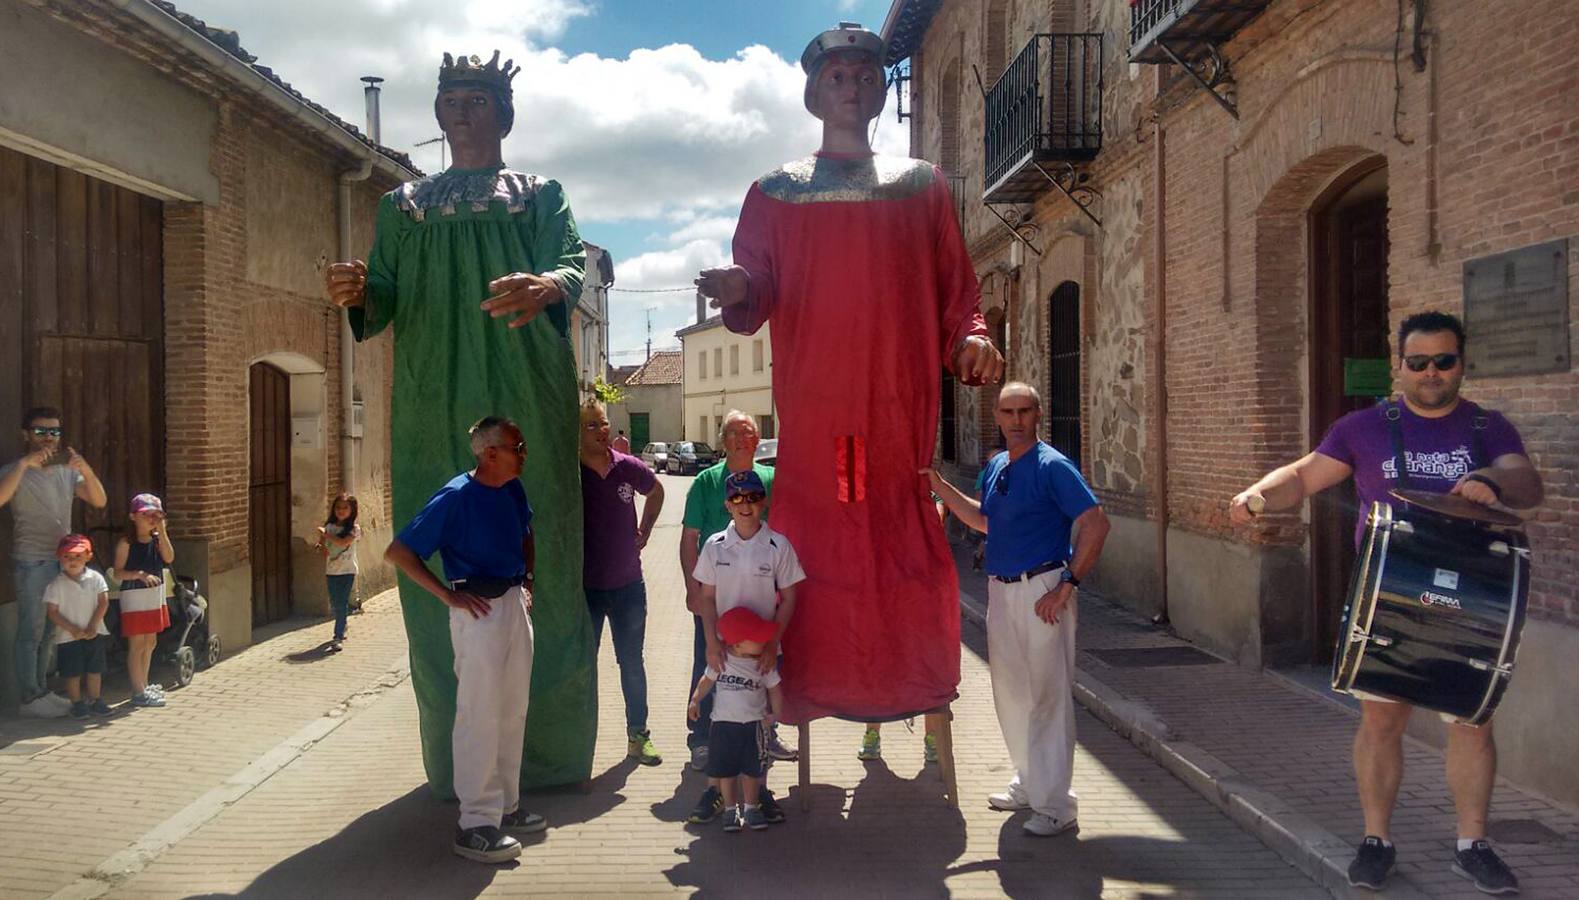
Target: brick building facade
(1353, 167)
(252, 189)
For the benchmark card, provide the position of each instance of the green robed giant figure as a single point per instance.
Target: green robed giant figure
(476, 268)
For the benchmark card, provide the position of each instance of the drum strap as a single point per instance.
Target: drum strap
(1478, 432)
(1395, 428)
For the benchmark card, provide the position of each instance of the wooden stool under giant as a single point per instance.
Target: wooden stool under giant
(938, 723)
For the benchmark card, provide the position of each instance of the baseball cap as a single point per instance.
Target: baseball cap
(74, 543)
(146, 502)
(745, 482)
(741, 624)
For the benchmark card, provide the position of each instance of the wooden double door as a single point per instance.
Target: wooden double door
(269, 492)
(81, 329)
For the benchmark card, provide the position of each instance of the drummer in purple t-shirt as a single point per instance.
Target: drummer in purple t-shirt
(1451, 446)
(610, 481)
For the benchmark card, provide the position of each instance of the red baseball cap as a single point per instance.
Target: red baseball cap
(741, 624)
(74, 543)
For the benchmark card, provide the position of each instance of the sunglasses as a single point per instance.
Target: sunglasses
(737, 499)
(519, 449)
(1444, 362)
(42, 431)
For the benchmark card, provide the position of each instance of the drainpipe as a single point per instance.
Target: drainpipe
(347, 179)
(1159, 361)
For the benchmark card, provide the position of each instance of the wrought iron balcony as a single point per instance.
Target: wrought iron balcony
(1162, 31)
(1047, 107)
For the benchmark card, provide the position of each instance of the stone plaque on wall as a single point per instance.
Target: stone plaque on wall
(1516, 311)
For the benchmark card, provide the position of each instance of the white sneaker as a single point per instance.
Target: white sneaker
(1046, 826)
(1008, 801)
(57, 700)
(156, 690)
(41, 708)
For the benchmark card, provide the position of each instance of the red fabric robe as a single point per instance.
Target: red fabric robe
(858, 263)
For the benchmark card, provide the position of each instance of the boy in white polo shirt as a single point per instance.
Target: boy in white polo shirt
(75, 603)
(747, 564)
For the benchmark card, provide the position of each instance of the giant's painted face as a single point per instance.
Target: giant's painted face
(469, 113)
(848, 89)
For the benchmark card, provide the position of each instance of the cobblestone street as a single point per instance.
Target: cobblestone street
(285, 772)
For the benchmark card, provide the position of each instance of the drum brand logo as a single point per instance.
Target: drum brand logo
(1432, 598)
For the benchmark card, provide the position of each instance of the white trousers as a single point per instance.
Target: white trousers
(493, 662)
(1033, 669)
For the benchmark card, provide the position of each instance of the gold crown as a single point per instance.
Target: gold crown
(469, 70)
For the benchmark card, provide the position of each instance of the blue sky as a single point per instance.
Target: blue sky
(655, 115)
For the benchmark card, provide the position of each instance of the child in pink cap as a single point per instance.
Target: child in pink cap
(140, 559)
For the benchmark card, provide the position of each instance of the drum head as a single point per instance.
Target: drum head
(1456, 507)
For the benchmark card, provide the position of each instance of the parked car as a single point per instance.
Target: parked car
(690, 457)
(767, 452)
(656, 456)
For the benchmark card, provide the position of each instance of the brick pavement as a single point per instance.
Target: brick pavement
(1257, 734)
(349, 816)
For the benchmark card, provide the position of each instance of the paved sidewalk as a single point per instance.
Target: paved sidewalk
(304, 780)
(1276, 757)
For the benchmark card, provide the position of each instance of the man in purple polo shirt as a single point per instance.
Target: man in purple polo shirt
(1450, 446)
(610, 481)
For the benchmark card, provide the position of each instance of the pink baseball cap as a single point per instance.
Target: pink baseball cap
(144, 502)
(74, 543)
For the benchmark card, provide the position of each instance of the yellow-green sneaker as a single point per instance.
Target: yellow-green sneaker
(871, 745)
(641, 747)
(931, 745)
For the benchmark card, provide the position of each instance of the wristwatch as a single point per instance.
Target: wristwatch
(1068, 577)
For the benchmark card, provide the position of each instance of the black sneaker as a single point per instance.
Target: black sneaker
(1372, 863)
(523, 822)
(771, 811)
(1481, 865)
(486, 843)
(708, 808)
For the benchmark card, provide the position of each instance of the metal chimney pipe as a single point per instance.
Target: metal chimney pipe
(370, 92)
(701, 308)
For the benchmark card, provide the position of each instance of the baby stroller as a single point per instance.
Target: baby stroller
(186, 645)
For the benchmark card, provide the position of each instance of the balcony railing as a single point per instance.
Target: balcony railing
(1187, 27)
(1046, 106)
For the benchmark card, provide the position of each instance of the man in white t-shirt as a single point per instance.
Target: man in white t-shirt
(747, 564)
(39, 488)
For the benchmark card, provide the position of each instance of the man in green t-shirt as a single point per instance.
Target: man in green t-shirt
(705, 516)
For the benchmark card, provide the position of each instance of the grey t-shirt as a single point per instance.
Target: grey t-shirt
(41, 510)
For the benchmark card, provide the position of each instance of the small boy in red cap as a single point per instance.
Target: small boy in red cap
(75, 603)
(748, 702)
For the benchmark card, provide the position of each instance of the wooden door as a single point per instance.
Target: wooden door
(640, 431)
(1063, 371)
(1350, 323)
(81, 329)
(270, 494)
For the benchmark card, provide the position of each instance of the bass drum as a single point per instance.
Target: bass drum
(1435, 607)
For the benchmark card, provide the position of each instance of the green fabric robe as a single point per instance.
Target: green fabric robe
(438, 242)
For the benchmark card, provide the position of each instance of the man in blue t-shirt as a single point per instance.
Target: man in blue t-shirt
(1449, 445)
(480, 524)
(1032, 499)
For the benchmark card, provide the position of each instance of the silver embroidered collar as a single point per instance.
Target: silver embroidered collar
(823, 179)
(451, 189)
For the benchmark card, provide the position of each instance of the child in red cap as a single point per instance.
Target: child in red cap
(748, 701)
(75, 603)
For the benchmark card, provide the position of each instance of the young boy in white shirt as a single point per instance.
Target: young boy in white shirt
(748, 565)
(75, 602)
(748, 702)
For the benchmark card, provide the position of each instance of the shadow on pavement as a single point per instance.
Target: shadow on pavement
(896, 838)
(577, 803)
(311, 654)
(424, 866)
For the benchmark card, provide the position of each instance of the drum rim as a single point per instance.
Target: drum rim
(1375, 550)
(1408, 496)
(1516, 610)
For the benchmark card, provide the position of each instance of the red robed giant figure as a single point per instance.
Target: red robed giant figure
(858, 263)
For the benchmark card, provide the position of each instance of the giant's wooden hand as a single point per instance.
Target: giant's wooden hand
(521, 294)
(346, 283)
(725, 285)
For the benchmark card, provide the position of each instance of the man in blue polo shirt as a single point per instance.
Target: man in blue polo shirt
(480, 524)
(1032, 498)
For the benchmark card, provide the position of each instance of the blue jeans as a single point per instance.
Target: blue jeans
(625, 608)
(340, 601)
(33, 629)
(704, 722)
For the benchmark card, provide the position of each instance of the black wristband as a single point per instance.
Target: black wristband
(1496, 489)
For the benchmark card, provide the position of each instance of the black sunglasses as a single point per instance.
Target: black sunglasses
(737, 499)
(42, 431)
(1444, 362)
